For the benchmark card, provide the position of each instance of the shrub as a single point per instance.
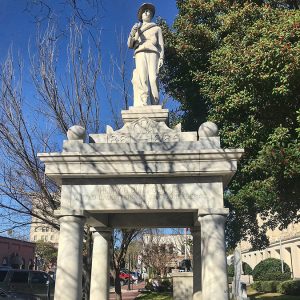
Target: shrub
(256, 286)
(230, 270)
(166, 285)
(269, 286)
(289, 287)
(266, 286)
(247, 270)
(270, 269)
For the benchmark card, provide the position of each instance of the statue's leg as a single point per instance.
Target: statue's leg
(142, 76)
(136, 89)
(152, 59)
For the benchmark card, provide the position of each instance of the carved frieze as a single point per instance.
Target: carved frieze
(144, 130)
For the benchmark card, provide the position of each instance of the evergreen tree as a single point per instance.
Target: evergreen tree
(238, 65)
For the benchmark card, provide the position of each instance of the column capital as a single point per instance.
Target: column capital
(69, 212)
(213, 211)
(67, 219)
(105, 232)
(217, 219)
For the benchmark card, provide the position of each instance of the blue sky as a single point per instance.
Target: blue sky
(17, 27)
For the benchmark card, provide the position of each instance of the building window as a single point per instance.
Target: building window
(42, 237)
(46, 238)
(36, 229)
(43, 229)
(51, 237)
(34, 237)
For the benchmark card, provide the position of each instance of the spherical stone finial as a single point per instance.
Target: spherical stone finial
(76, 133)
(208, 129)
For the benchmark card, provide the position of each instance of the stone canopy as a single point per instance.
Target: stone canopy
(143, 175)
(144, 167)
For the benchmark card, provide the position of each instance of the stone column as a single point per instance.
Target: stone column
(214, 268)
(197, 282)
(68, 285)
(100, 264)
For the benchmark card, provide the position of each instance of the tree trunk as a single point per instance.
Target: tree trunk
(118, 289)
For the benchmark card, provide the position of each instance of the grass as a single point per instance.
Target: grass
(155, 296)
(253, 295)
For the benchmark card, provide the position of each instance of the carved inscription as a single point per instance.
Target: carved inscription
(140, 196)
(149, 138)
(144, 130)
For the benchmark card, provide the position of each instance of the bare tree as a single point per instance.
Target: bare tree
(159, 252)
(25, 192)
(121, 240)
(86, 12)
(66, 96)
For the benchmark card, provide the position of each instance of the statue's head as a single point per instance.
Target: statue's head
(146, 12)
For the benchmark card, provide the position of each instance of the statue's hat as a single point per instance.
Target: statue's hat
(143, 8)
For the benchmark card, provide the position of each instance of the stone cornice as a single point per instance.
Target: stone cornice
(206, 162)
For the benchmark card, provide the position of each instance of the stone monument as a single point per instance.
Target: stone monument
(142, 175)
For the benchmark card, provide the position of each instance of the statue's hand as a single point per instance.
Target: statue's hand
(134, 29)
(160, 63)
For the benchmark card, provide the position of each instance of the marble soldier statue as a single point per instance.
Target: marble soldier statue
(147, 41)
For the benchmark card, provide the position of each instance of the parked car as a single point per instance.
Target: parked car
(124, 277)
(16, 296)
(135, 276)
(27, 282)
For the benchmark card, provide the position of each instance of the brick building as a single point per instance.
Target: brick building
(16, 253)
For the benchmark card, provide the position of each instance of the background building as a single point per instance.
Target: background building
(284, 244)
(166, 252)
(40, 231)
(16, 253)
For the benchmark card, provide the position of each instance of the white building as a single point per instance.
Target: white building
(284, 244)
(39, 230)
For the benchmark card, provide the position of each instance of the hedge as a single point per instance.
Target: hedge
(270, 270)
(289, 287)
(270, 286)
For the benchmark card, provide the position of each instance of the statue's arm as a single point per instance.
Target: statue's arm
(162, 49)
(133, 36)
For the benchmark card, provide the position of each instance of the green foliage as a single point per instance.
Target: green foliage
(237, 63)
(230, 270)
(270, 269)
(266, 286)
(155, 296)
(269, 286)
(247, 270)
(289, 287)
(256, 285)
(47, 252)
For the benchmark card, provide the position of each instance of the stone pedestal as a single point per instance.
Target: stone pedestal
(214, 267)
(182, 286)
(68, 284)
(152, 112)
(100, 264)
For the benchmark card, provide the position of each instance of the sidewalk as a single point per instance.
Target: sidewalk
(127, 295)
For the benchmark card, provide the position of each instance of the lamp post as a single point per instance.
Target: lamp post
(281, 260)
